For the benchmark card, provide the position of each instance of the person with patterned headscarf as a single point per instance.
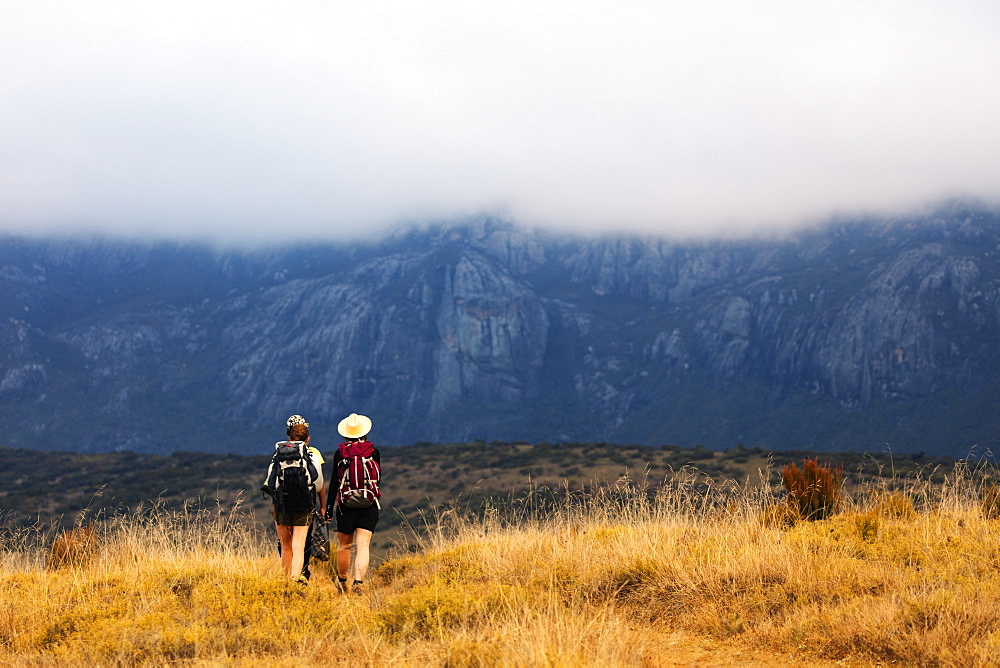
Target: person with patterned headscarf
(293, 524)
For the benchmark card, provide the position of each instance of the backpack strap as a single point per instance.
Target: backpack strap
(310, 467)
(270, 485)
(368, 478)
(374, 482)
(343, 479)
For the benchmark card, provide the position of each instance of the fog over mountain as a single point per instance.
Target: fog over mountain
(259, 121)
(861, 335)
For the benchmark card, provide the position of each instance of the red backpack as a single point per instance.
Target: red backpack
(358, 473)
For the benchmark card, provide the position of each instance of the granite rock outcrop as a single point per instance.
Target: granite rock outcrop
(850, 336)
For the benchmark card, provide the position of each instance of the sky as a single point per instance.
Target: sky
(260, 121)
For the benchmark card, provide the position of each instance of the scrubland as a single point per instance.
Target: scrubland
(685, 571)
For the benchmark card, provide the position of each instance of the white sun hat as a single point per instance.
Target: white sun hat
(354, 426)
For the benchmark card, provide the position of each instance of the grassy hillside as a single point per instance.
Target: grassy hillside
(43, 490)
(696, 570)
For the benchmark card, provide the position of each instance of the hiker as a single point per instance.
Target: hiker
(295, 483)
(354, 502)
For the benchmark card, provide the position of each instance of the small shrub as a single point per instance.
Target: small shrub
(896, 506)
(628, 578)
(990, 502)
(778, 516)
(430, 608)
(814, 491)
(75, 547)
(867, 526)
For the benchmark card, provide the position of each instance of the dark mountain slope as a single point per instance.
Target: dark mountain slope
(853, 336)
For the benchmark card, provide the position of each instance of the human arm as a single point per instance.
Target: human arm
(322, 499)
(319, 482)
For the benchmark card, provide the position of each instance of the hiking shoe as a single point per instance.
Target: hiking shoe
(302, 580)
(358, 587)
(341, 585)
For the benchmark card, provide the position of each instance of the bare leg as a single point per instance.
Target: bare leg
(363, 537)
(285, 536)
(345, 540)
(297, 551)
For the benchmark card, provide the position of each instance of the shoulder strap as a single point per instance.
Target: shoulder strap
(272, 469)
(309, 466)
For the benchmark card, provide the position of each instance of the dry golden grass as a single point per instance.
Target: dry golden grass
(74, 547)
(693, 572)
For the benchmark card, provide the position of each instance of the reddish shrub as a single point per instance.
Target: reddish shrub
(813, 490)
(72, 548)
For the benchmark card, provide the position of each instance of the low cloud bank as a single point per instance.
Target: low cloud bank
(257, 122)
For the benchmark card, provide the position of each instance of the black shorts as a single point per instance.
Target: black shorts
(299, 519)
(349, 519)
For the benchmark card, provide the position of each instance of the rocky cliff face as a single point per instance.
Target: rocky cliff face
(857, 336)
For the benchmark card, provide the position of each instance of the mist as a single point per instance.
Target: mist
(256, 122)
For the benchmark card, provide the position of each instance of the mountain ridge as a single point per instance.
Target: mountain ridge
(860, 335)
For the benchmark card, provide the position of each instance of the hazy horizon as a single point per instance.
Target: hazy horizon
(258, 122)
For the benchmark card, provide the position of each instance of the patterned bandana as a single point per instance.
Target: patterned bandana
(294, 420)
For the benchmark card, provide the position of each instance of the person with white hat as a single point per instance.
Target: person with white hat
(354, 503)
